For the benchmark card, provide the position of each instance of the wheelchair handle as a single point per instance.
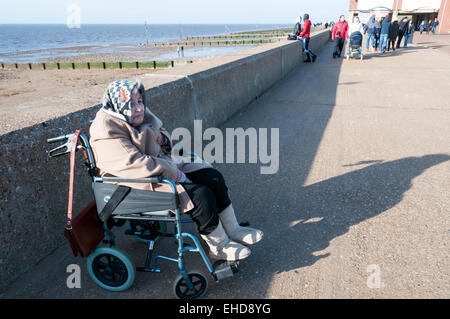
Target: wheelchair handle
(59, 138)
(156, 179)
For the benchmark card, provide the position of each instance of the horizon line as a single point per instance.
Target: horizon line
(109, 23)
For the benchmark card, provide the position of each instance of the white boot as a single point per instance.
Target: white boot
(221, 247)
(243, 235)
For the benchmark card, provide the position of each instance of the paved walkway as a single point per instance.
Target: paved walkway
(438, 41)
(360, 205)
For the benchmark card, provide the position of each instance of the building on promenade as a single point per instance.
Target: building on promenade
(418, 10)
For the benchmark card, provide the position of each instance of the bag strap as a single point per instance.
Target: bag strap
(73, 149)
(118, 195)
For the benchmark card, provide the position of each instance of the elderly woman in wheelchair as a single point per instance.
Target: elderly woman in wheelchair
(129, 141)
(136, 178)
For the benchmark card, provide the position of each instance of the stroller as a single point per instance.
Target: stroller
(146, 214)
(355, 50)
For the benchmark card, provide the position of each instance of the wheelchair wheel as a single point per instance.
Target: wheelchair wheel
(182, 291)
(159, 227)
(111, 269)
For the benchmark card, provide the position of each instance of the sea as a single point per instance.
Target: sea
(28, 43)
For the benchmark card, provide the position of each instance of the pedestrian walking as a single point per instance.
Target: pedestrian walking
(393, 33)
(402, 28)
(182, 51)
(422, 26)
(339, 34)
(427, 27)
(409, 32)
(371, 30)
(386, 26)
(178, 50)
(434, 25)
(305, 35)
(430, 26)
(377, 35)
(355, 26)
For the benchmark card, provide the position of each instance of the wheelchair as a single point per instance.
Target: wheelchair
(146, 214)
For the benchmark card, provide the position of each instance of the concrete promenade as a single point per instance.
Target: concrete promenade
(439, 42)
(359, 207)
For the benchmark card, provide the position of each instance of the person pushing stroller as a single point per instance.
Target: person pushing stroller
(356, 30)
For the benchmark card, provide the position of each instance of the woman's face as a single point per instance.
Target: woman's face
(342, 18)
(137, 109)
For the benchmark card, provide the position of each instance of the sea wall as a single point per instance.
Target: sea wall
(34, 187)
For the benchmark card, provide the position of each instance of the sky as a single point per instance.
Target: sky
(170, 11)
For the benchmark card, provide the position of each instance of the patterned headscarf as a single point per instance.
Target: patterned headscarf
(117, 97)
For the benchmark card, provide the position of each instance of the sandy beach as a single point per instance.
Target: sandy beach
(127, 52)
(29, 96)
(32, 96)
(83, 54)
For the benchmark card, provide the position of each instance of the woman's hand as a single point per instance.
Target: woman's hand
(182, 178)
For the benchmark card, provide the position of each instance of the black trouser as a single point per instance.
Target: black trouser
(209, 194)
(308, 52)
(391, 41)
(400, 37)
(338, 45)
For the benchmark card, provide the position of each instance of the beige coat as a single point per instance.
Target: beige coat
(125, 151)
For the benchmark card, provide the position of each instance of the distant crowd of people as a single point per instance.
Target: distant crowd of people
(381, 34)
(428, 26)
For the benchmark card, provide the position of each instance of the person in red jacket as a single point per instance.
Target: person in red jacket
(340, 33)
(305, 35)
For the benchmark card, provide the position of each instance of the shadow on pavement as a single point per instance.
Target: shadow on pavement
(300, 107)
(300, 221)
(401, 51)
(340, 202)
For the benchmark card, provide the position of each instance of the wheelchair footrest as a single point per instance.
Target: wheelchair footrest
(224, 269)
(145, 269)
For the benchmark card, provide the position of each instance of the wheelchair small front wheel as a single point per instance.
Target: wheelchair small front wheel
(199, 282)
(111, 269)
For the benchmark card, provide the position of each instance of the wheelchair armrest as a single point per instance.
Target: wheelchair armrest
(155, 179)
